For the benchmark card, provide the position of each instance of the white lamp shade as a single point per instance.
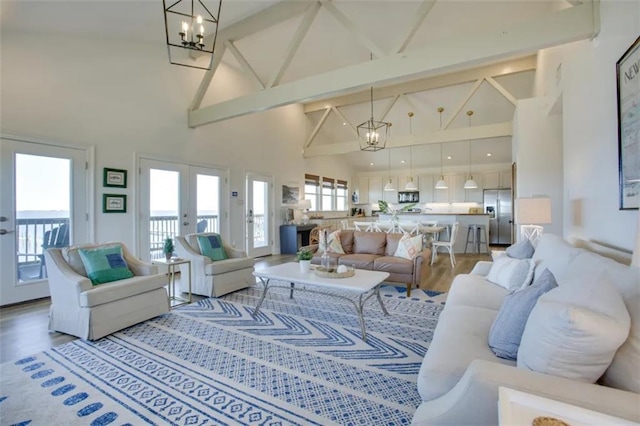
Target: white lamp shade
(411, 185)
(304, 204)
(535, 211)
(389, 186)
(441, 184)
(470, 183)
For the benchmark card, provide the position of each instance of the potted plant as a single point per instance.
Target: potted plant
(168, 248)
(304, 256)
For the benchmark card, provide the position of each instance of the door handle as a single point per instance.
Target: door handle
(4, 231)
(3, 219)
(185, 223)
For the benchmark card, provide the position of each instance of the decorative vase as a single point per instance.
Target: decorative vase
(305, 266)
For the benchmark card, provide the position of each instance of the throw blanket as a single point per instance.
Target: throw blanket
(300, 361)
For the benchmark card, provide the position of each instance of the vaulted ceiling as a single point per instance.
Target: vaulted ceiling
(417, 55)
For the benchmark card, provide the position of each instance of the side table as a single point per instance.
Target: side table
(174, 299)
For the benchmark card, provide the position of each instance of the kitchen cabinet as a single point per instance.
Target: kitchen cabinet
(402, 182)
(375, 189)
(476, 195)
(425, 186)
(442, 195)
(497, 179)
(389, 196)
(456, 188)
(363, 190)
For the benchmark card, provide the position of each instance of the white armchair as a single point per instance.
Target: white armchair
(92, 311)
(214, 279)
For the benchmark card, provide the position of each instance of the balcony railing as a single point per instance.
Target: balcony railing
(162, 227)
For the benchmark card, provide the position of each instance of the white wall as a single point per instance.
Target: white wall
(126, 100)
(589, 111)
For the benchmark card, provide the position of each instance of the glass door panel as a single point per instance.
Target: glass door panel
(164, 209)
(258, 216)
(207, 203)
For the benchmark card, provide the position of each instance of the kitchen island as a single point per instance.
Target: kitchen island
(447, 219)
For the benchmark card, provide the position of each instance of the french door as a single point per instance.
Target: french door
(259, 215)
(43, 204)
(178, 199)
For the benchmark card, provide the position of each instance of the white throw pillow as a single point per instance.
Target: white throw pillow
(575, 330)
(512, 274)
(332, 243)
(409, 247)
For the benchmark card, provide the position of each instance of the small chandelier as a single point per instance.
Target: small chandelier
(470, 183)
(372, 135)
(191, 27)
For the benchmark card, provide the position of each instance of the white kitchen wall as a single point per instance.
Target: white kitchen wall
(126, 100)
(589, 114)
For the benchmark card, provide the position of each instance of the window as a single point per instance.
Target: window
(328, 186)
(312, 190)
(325, 194)
(341, 195)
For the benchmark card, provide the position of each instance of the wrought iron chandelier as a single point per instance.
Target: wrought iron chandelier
(372, 134)
(191, 27)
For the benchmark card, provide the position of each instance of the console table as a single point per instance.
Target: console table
(292, 237)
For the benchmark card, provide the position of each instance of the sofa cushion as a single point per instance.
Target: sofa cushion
(358, 261)
(393, 265)
(512, 274)
(409, 247)
(522, 250)
(459, 338)
(506, 332)
(346, 240)
(623, 373)
(575, 330)
(228, 265)
(211, 246)
(475, 291)
(392, 244)
(72, 257)
(332, 243)
(317, 258)
(369, 242)
(553, 253)
(122, 289)
(105, 264)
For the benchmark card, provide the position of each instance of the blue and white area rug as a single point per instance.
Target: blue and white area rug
(301, 361)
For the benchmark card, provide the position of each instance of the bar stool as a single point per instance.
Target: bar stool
(474, 237)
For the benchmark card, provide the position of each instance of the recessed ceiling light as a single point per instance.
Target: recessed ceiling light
(449, 157)
(402, 161)
(371, 164)
(344, 124)
(489, 154)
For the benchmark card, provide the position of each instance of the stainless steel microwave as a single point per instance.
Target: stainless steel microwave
(408, 196)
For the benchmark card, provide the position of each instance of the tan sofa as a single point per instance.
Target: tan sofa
(375, 251)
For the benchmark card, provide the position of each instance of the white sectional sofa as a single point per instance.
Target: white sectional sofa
(460, 375)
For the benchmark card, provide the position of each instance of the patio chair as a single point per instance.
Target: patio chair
(201, 226)
(54, 238)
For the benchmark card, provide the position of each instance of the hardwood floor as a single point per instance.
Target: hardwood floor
(24, 327)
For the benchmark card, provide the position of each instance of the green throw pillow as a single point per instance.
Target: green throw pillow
(211, 246)
(104, 265)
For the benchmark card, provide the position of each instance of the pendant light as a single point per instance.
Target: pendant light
(470, 183)
(411, 185)
(389, 186)
(441, 184)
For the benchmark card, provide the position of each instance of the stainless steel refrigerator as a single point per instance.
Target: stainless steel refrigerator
(497, 204)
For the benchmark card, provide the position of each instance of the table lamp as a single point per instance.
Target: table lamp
(304, 205)
(530, 214)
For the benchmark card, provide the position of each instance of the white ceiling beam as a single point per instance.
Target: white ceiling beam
(500, 88)
(296, 41)
(208, 76)
(344, 120)
(439, 136)
(389, 106)
(353, 29)
(567, 25)
(504, 68)
(313, 134)
(419, 18)
(244, 64)
(473, 90)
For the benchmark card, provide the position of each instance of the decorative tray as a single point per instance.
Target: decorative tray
(332, 272)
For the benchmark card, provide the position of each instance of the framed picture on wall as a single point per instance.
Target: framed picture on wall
(115, 178)
(290, 194)
(114, 203)
(628, 76)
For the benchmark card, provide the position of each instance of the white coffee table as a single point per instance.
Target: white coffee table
(364, 284)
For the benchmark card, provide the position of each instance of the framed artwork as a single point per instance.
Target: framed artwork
(115, 178)
(114, 203)
(628, 76)
(290, 194)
